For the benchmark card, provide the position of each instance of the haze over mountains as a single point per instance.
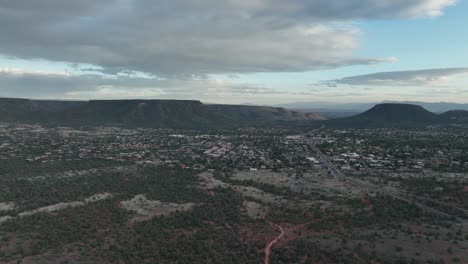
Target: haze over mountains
(456, 115)
(439, 107)
(146, 113)
(186, 114)
(390, 115)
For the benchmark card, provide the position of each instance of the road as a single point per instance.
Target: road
(272, 243)
(397, 195)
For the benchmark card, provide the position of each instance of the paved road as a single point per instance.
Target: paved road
(400, 196)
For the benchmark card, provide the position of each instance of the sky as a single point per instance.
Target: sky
(235, 51)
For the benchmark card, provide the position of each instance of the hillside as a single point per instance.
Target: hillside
(25, 110)
(389, 115)
(146, 114)
(141, 113)
(456, 115)
(262, 114)
(334, 107)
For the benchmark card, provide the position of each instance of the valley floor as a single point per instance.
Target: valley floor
(250, 196)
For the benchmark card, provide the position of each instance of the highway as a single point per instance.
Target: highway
(396, 195)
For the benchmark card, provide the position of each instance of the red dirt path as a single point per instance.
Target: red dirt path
(272, 243)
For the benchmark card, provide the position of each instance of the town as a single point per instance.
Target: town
(317, 186)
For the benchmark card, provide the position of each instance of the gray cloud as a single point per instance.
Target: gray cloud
(17, 83)
(167, 37)
(427, 77)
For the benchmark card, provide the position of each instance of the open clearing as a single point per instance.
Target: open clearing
(7, 206)
(317, 181)
(147, 209)
(60, 206)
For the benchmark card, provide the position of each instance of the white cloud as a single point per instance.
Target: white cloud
(22, 72)
(185, 37)
(169, 48)
(20, 83)
(427, 77)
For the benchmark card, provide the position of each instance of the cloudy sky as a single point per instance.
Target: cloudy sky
(235, 51)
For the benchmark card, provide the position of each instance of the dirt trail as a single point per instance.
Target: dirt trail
(272, 243)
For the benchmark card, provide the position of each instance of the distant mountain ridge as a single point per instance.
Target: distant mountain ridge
(321, 107)
(390, 115)
(456, 115)
(187, 114)
(190, 114)
(261, 113)
(13, 109)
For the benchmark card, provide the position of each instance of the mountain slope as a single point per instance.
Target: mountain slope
(25, 110)
(262, 114)
(361, 107)
(146, 113)
(389, 115)
(141, 113)
(456, 116)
